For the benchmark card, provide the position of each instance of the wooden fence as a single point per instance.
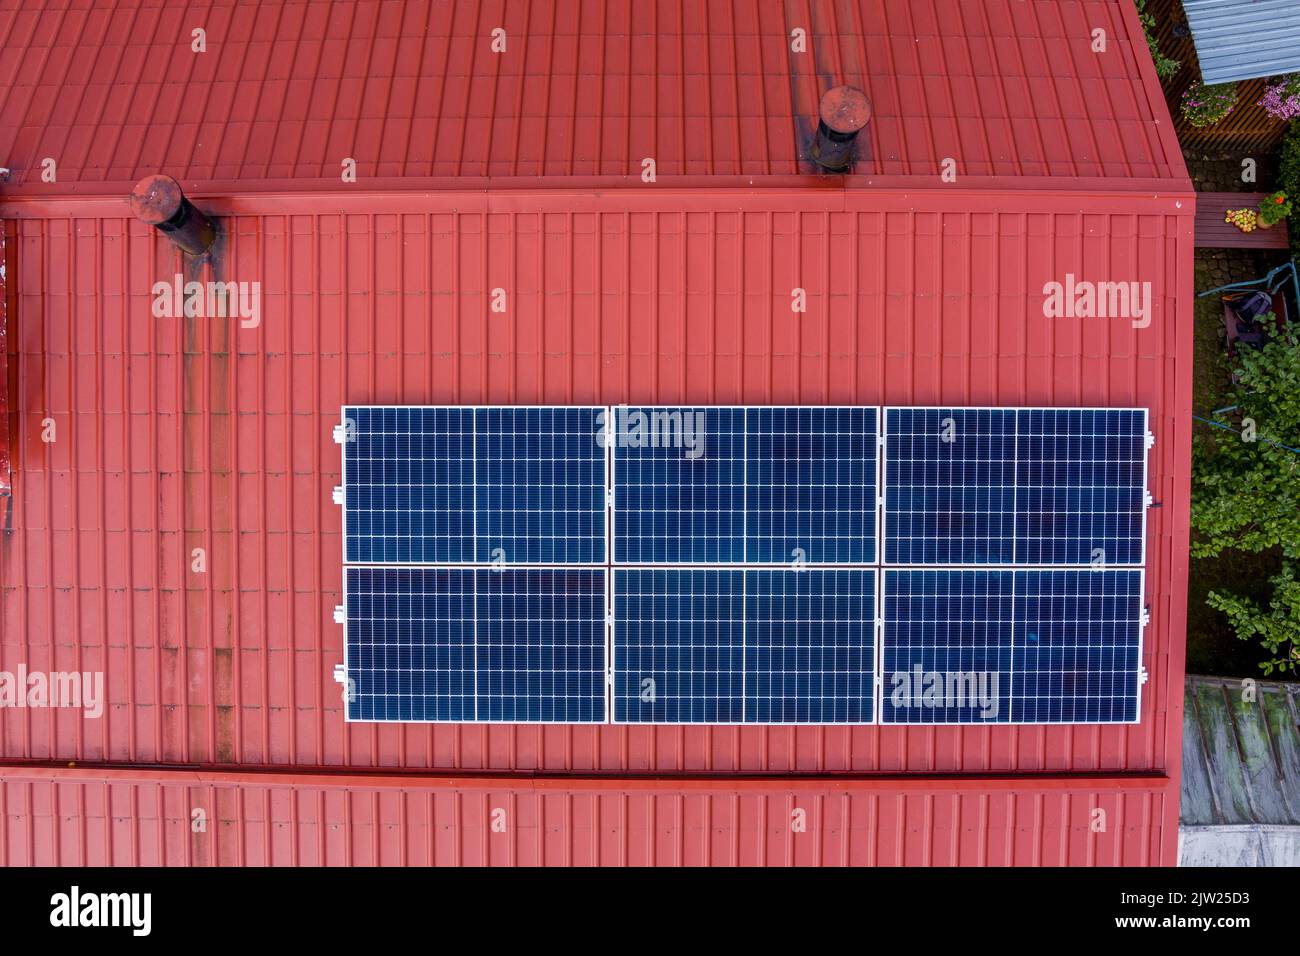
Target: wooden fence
(1247, 131)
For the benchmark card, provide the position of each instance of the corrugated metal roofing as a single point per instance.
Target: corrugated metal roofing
(1241, 757)
(287, 90)
(191, 433)
(1241, 774)
(1244, 39)
(175, 434)
(144, 818)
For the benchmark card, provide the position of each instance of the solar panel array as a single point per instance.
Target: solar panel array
(720, 565)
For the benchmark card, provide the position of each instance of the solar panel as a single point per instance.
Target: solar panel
(949, 485)
(679, 500)
(745, 485)
(970, 486)
(540, 640)
(1001, 646)
(1078, 647)
(474, 485)
(721, 646)
(811, 485)
(466, 644)
(408, 476)
(1081, 486)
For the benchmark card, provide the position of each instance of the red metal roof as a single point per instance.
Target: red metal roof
(145, 818)
(286, 91)
(185, 433)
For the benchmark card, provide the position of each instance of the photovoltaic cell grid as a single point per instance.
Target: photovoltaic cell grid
(730, 646)
(947, 623)
(473, 486)
(1014, 486)
(675, 504)
(470, 644)
(994, 646)
(758, 486)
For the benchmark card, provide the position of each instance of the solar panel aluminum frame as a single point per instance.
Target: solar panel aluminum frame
(883, 488)
(606, 626)
(1140, 675)
(343, 484)
(616, 561)
(877, 576)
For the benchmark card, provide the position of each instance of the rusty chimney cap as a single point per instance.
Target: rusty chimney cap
(156, 199)
(845, 109)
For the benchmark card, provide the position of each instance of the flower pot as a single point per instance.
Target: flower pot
(1261, 224)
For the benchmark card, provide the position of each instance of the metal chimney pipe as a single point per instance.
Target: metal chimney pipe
(843, 113)
(159, 202)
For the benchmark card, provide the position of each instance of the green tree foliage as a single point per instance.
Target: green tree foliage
(1246, 493)
(1275, 626)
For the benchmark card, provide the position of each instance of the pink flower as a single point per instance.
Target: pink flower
(1282, 100)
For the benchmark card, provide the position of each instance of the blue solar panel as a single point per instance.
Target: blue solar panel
(1014, 486)
(735, 646)
(811, 485)
(463, 644)
(957, 625)
(541, 478)
(949, 486)
(1077, 647)
(467, 486)
(409, 484)
(1080, 486)
(679, 501)
(993, 646)
(758, 486)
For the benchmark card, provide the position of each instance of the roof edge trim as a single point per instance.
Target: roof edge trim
(660, 200)
(809, 184)
(479, 780)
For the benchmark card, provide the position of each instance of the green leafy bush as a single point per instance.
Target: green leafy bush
(1288, 172)
(1246, 493)
(1165, 66)
(1274, 208)
(1288, 179)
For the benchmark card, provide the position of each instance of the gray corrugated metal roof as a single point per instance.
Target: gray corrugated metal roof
(1241, 773)
(1244, 39)
(1241, 759)
(1254, 844)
